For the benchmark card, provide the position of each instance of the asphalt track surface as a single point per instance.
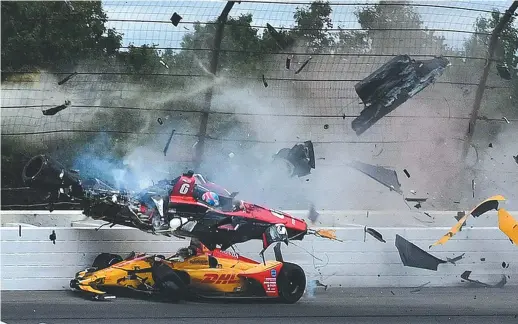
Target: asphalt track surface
(371, 305)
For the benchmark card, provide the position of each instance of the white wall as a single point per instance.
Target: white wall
(331, 218)
(32, 262)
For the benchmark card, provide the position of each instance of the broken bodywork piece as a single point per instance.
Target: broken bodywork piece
(418, 289)
(420, 200)
(300, 159)
(67, 78)
(175, 19)
(164, 64)
(485, 206)
(166, 148)
(455, 259)
(288, 61)
(52, 237)
(55, 110)
(303, 65)
(465, 275)
(264, 82)
(508, 225)
(393, 84)
(414, 256)
(383, 175)
(325, 233)
(279, 39)
(377, 235)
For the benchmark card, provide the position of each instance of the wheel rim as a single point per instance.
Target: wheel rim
(294, 282)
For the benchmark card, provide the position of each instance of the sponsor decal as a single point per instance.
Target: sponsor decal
(199, 261)
(271, 285)
(231, 253)
(273, 273)
(222, 279)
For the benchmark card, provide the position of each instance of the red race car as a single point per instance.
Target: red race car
(171, 207)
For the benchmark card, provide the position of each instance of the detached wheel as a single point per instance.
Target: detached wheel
(291, 283)
(105, 260)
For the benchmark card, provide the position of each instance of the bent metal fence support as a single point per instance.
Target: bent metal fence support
(483, 79)
(222, 19)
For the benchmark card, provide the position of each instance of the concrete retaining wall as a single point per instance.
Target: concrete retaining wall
(30, 261)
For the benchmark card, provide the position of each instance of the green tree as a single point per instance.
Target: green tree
(505, 99)
(241, 47)
(385, 23)
(313, 24)
(52, 35)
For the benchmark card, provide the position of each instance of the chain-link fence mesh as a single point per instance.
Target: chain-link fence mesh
(124, 104)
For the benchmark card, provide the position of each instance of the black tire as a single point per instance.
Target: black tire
(105, 260)
(291, 283)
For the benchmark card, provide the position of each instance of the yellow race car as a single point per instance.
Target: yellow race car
(194, 272)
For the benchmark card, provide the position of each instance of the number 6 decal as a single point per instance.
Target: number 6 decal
(184, 188)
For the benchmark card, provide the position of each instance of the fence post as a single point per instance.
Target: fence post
(218, 36)
(482, 84)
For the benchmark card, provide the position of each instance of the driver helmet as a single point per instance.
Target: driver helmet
(211, 198)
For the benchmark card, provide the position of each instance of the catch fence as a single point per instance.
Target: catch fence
(171, 95)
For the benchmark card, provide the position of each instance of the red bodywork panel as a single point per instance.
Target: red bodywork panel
(268, 279)
(183, 194)
(183, 190)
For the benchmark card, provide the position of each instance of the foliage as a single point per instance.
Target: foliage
(312, 24)
(51, 35)
(386, 22)
(505, 52)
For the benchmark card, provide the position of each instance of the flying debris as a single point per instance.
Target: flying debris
(288, 62)
(377, 235)
(465, 275)
(55, 110)
(52, 237)
(406, 173)
(159, 120)
(508, 225)
(413, 256)
(264, 82)
(325, 233)
(300, 159)
(313, 214)
(68, 77)
(164, 64)
(420, 200)
(279, 39)
(303, 65)
(417, 289)
(383, 175)
(485, 206)
(455, 259)
(393, 84)
(515, 158)
(166, 148)
(175, 19)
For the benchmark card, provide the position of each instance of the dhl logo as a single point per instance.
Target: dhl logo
(222, 279)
